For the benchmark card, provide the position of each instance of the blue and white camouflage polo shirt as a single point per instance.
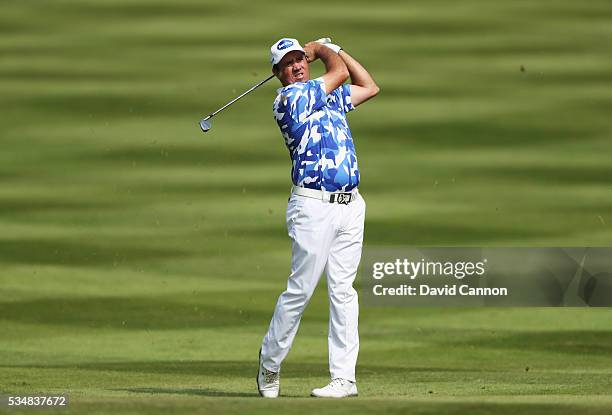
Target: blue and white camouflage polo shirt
(317, 135)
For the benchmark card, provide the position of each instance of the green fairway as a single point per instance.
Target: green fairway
(140, 260)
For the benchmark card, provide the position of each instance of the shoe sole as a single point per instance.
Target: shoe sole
(257, 376)
(333, 397)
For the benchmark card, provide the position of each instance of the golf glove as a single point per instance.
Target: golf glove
(327, 42)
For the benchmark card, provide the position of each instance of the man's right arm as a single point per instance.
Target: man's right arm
(363, 86)
(336, 72)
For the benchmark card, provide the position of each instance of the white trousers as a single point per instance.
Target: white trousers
(325, 236)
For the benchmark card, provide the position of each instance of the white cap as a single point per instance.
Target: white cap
(282, 47)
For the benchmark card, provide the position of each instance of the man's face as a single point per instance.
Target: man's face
(293, 68)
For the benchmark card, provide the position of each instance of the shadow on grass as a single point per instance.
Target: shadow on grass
(189, 391)
(25, 205)
(476, 133)
(240, 369)
(189, 156)
(559, 342)
(354, 406)
(575, 342)
(417, 232)
(204, 310)
(78, 253)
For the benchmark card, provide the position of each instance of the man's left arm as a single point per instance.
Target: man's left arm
(363, 86)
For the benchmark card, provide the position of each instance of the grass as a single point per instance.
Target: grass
(140, 260)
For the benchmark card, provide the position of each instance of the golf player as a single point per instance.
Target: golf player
(325, 213)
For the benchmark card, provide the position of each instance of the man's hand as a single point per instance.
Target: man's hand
(311, 49)
(335, 69)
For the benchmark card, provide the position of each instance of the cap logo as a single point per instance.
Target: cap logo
(284, 44)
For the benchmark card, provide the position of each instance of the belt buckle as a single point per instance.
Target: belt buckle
(341, 198)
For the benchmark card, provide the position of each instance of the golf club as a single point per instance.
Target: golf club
(205, 123)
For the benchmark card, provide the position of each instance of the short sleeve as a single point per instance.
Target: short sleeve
(300, 100)
(345, 96)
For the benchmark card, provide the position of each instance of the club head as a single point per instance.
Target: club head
(205, 124)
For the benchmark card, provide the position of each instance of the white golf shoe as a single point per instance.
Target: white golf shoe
(268, 382)
(337, 388)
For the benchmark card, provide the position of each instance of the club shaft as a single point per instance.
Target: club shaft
(239, 96)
